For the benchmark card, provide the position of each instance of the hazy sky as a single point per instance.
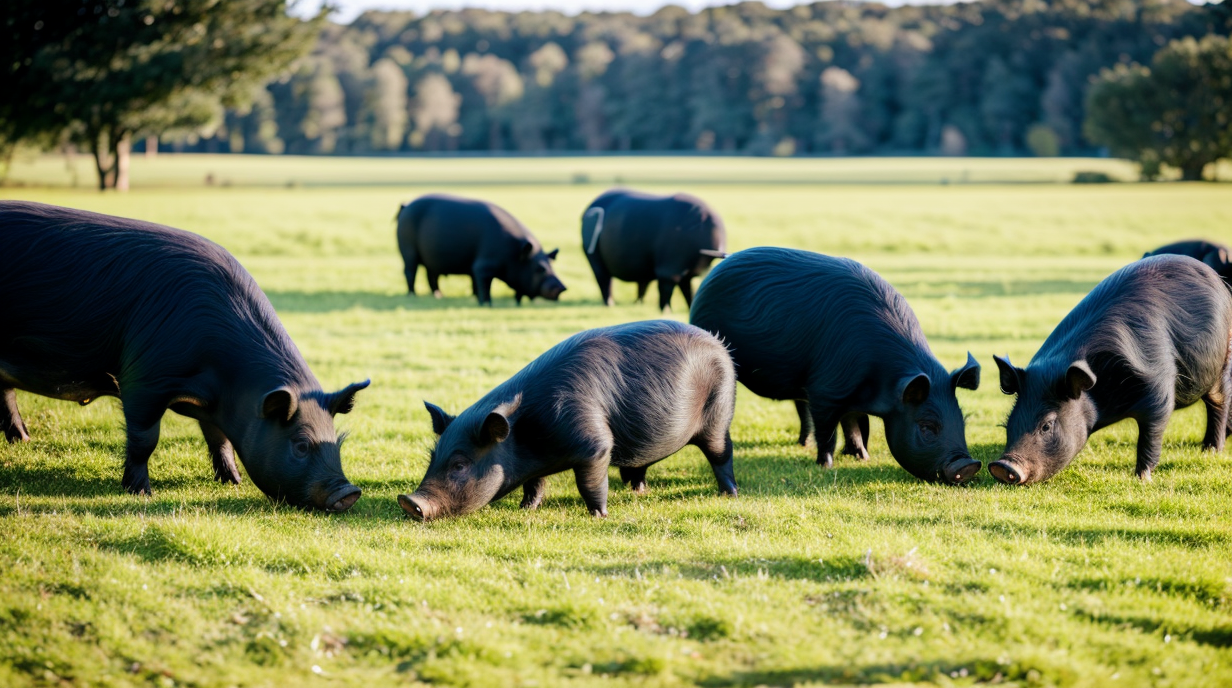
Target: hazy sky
(352, 8)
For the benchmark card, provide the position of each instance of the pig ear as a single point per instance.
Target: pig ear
(915, 390)
(1010, 375)
(279, 404)
(344, 401)
(495, 429)
(440, 419)
(553, 254)
(1078, 379)
(526, 250)
(968, 376)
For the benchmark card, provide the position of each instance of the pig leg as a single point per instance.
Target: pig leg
(641, 291)
(686, 288)
(142, 419)
(483, 286)
(604, 279)
(532, 493)
(10, 419)
(412, 266)
(719, 454)
(806, 422)
(1150, 443)
(855, 435)
(222, 453)
(635, 478)
(825, 425)
(434, 283)
(1217, 401)
(591, 477)
(666, 285)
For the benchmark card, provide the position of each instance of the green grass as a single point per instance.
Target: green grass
(857, 575)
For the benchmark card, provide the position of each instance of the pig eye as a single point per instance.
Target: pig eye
(300, 447)
(459, 464)
(1046, 427)
(540, 269)
(928, 428)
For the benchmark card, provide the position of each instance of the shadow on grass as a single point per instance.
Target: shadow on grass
(333, 301)
(1213, 636)
(976, 670)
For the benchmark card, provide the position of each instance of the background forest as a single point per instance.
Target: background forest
(997, 77)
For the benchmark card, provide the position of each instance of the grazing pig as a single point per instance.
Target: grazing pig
(641, 238)
(93, 306)
(459, 236)
(835, 337)
(1154, 336)
(1218, 256)
(629, 396)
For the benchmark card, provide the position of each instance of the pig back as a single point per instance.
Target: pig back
(101, 296)
(795, 320)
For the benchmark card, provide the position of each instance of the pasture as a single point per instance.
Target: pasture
(856, 575)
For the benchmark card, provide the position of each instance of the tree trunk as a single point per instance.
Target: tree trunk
(99, 151)
(1191, 171)
(121, 150)
(151, 146)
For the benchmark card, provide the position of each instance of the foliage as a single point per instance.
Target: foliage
(858, 575)
(1177, 112)
(820, 78)
(105, 71)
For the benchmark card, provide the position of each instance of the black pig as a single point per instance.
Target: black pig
(835, 337)
(1152, 337)
(92, 305)
(628, 396)
(459, 236)
(1218, 256)
(641, 238)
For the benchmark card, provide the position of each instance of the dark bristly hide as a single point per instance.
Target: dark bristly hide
(837, 339)
(627, 396)
(1153, 337)
(637, 237)
(93, 305)
(1214, 254)
(449, 235)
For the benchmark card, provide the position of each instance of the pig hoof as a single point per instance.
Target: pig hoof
(531, 504)
(860, 454)
(15, 435)
(599, 513)
(639, 488)
(139, 488)
(826, 461)
(227, 477)
(1145, 475)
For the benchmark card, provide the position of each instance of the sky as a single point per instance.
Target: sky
(349, 9)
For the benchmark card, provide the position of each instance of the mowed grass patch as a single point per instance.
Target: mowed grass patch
(857, 575)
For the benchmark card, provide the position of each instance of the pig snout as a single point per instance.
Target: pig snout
(1009, 470)
(960, 470)
(552, 289)
(417, 507)
(342, 498)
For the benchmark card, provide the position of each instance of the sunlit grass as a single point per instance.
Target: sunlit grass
(857, 575)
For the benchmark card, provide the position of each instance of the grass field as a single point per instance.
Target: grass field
(857, 575)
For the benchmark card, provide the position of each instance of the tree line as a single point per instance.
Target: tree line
(993, 77)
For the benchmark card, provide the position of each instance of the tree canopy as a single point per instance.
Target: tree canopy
(1177, 112)
(989, 77)
(102, 71)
